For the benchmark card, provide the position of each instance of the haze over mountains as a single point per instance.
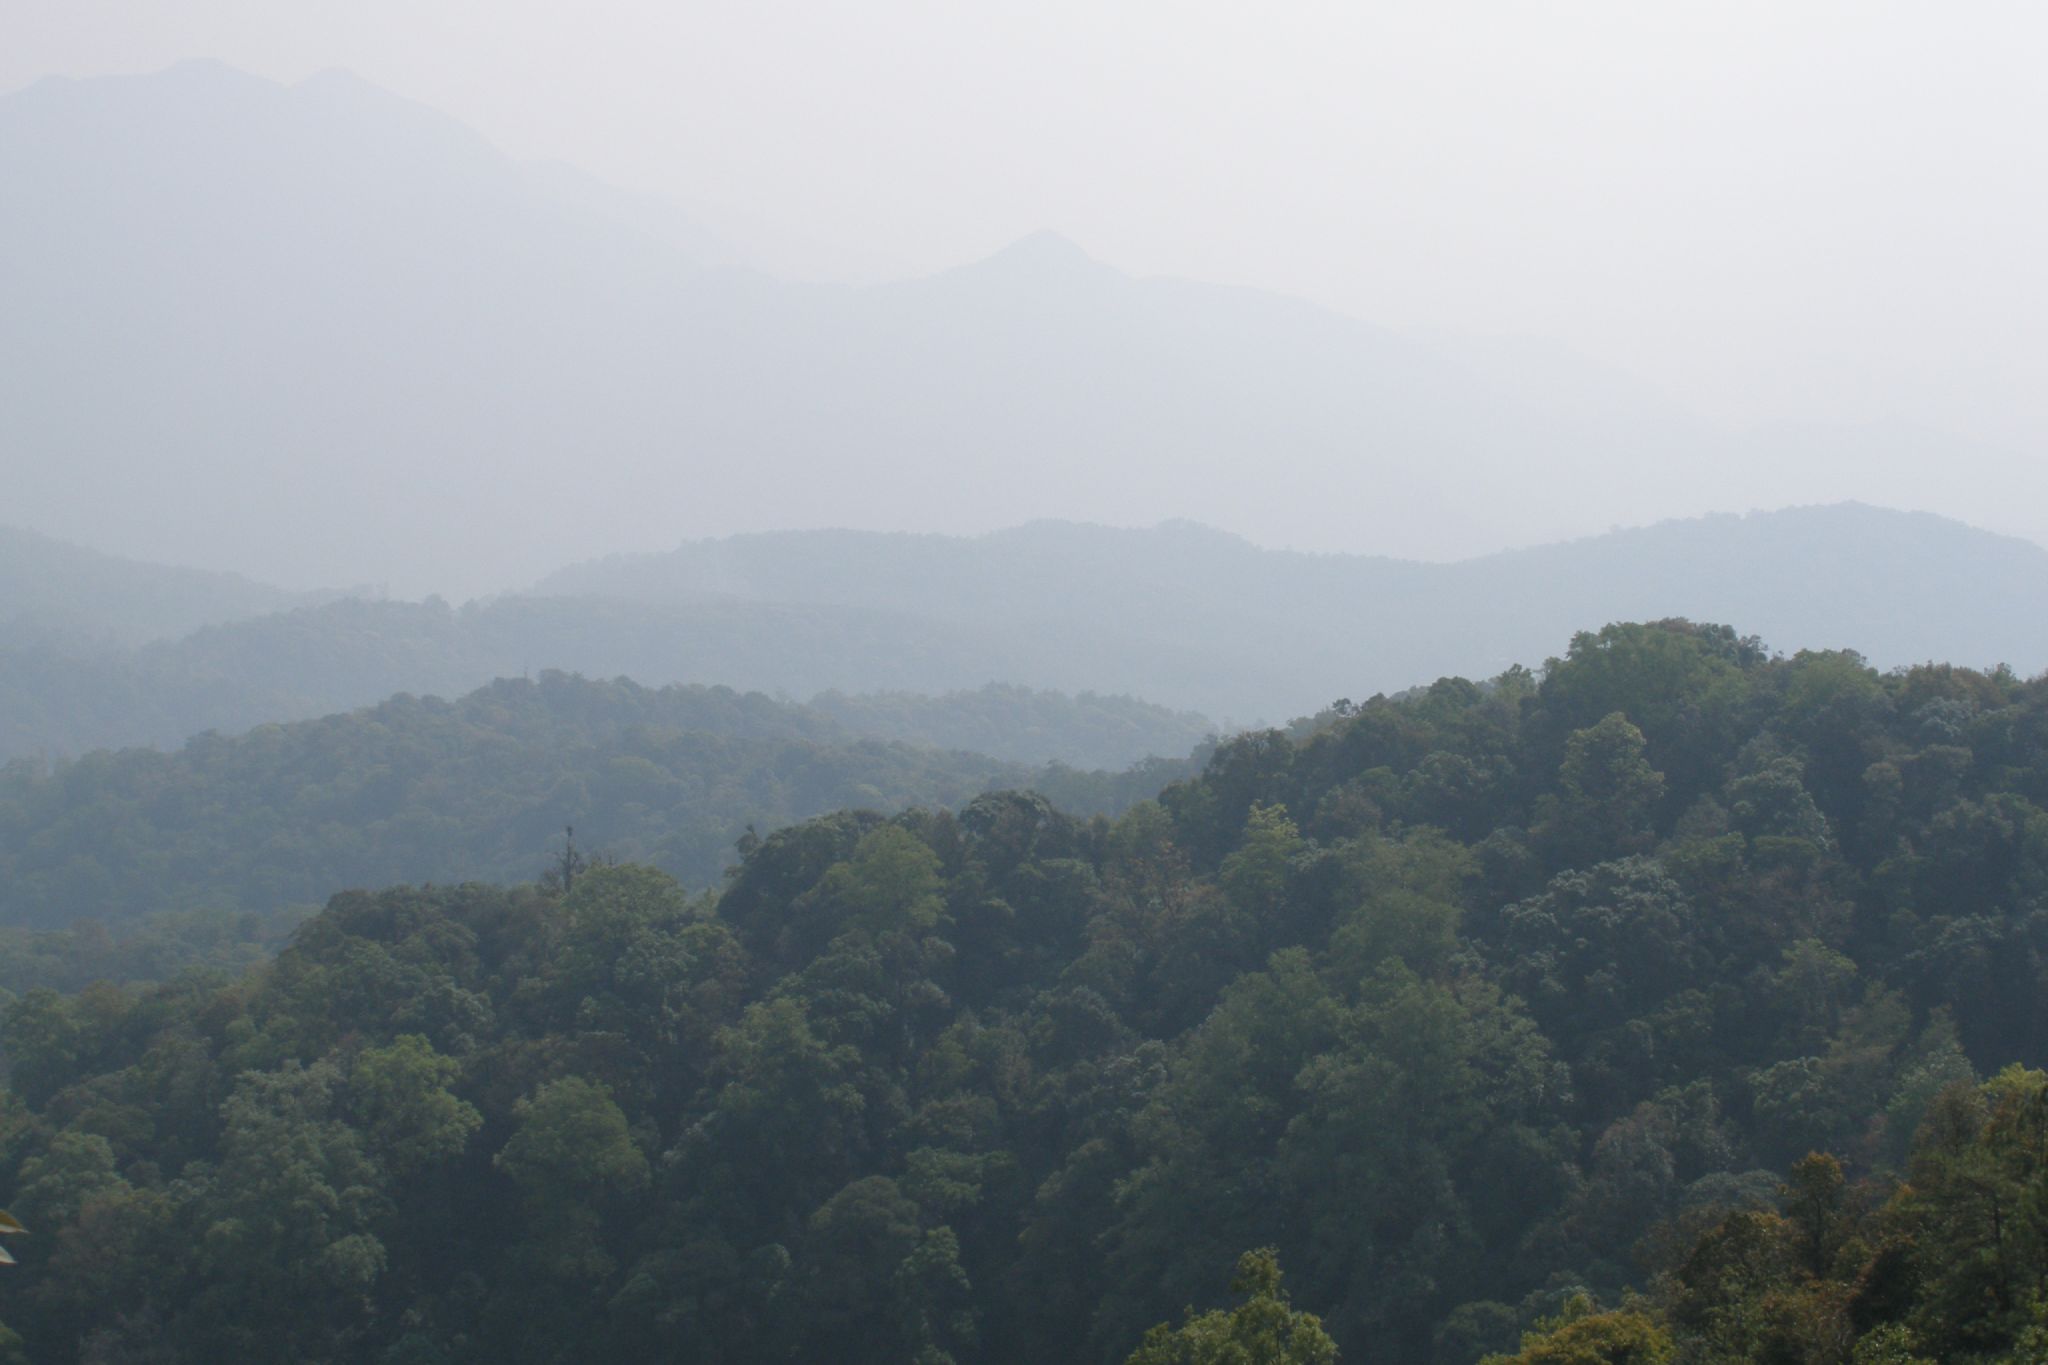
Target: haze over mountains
(1195, 622)
(61, 592)
(320, 334)
(1199, 618)
(911, 679)
(324, 335)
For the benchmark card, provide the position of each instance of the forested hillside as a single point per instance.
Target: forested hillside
(1082, 730)
(1478, 1006)
(424, 790)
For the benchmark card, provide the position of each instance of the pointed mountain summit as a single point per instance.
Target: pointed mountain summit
(1041, 264)
(1043, 252)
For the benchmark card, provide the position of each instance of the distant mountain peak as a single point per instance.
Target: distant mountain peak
(1044, 254)
(1046, 245)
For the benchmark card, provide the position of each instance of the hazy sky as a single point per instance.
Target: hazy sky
(1825, 211)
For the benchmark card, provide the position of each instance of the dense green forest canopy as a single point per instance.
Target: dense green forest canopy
(1476, 1008)
(424, 790)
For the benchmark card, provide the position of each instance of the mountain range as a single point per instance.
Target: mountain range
(1193, 617)
(1206, 627)
(322, 334)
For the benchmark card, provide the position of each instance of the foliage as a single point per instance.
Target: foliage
(1581, 1336)
(1445, 1000)
(1263, 1330)
(423, 790)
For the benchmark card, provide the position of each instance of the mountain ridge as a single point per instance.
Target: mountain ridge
(1186, 617)
(1909, 585)
(55, 590)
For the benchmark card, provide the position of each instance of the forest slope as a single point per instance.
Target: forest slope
(424, 790)
(1478, 1005)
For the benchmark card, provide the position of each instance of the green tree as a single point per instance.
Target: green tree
(1610, 793)
(1256, 874)
(287, 1227)
(572, 1142)
(1263, 1330)
(401, 1097)
(1581, 1336)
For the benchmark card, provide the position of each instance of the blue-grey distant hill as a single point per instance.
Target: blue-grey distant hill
(1193, 617)
(322, 334)
(50, 590)
(883, 675)
(910, 631)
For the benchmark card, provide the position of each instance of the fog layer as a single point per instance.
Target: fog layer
(321, 334)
